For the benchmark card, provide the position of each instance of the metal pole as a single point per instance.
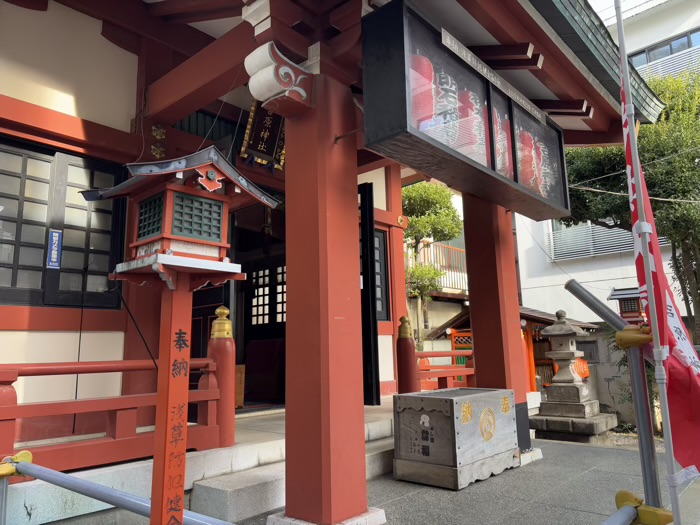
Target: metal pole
(4, 489)
(117, 498)
(640, 395)
(644, 230)
(625, 516)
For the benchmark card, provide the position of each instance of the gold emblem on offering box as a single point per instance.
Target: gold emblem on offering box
(467, 413)
(505, 405)
(487, 424)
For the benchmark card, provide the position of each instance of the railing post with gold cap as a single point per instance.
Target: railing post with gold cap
(406, 360)
(222, 350)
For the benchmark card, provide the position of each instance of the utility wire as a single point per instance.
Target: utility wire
(221, 107)
(551, 259)
(682, 152)
(662, 199)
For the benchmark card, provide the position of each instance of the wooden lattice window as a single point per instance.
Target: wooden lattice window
(260, 313)
(282, 294)
(629, 305)
(197, 218)
(151, 217)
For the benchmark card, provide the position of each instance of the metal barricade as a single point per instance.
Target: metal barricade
(116, 498)
(624, 516)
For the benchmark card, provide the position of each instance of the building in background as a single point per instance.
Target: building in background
(663, 38)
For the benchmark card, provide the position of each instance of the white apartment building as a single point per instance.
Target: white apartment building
(663, 37)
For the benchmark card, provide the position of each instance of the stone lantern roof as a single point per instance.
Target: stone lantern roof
(562, 327)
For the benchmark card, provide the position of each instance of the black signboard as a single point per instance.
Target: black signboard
(264, 137)
(432, 105)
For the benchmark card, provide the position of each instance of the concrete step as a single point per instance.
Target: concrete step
(241, 495)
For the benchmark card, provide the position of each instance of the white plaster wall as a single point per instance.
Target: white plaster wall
(386, 358)
(439, 312)
(58, 59)
(543, 280)
(50, 347)
(660, 23)
(378, 179)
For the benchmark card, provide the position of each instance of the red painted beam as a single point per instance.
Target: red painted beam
(569, 106)
(204, 77)
(134, 16)
(29, 121)
(574, 137)
(182, 7)
(204, 16)
(36, 5)
(504, 52)
(510, 23)
(529, 64)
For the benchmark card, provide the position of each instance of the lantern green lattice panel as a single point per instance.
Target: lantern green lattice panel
(151, 217)
(197, 218)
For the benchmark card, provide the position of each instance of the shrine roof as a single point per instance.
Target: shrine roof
(585, 34)
(149, 174)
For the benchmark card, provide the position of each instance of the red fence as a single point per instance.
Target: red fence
(122, 441)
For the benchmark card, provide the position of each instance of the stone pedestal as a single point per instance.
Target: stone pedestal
(570, 413)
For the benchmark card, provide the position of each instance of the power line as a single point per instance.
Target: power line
(551, 259)
(682, 152)
(662, 199)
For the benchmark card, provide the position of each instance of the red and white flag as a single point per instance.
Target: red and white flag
(682, 365)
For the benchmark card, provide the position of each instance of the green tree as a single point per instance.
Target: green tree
(669, 151)
(431, 218)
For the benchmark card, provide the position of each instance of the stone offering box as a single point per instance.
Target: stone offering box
(453, 437)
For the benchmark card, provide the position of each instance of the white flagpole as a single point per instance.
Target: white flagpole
(644, 229)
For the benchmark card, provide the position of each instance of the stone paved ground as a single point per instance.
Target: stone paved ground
(573, 485)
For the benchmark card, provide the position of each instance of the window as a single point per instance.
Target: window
(260, 311)
(40, 200)
(667, 48)
(382, 279)
(590, 350)
(658, 52)
(639, 59)
(695, 39)
(282, 294)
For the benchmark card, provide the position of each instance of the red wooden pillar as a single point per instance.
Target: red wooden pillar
(493, 302)
(325, 415)
(168, 489)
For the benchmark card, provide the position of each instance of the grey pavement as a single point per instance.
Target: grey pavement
(573, 484)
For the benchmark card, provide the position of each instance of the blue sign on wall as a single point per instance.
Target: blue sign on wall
(53, 257)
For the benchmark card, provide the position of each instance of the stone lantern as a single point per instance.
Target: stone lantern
(562, 336)
(571, 412)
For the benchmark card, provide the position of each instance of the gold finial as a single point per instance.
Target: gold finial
(405, 331)
(221, 328)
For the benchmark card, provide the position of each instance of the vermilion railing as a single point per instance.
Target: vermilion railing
(122, 441)
(447, 376)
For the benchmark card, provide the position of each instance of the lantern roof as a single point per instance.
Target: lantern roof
(209, 166)
(562, 327)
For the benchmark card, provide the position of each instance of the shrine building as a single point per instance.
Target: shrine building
(251, 154)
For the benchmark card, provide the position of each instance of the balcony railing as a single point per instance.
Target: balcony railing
(448, 259)
(589, 240)
(674, 64)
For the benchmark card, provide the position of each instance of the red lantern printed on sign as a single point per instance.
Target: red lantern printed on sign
(531, 163)
(446, 111)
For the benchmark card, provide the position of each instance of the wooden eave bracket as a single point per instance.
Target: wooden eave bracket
(281, 85)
